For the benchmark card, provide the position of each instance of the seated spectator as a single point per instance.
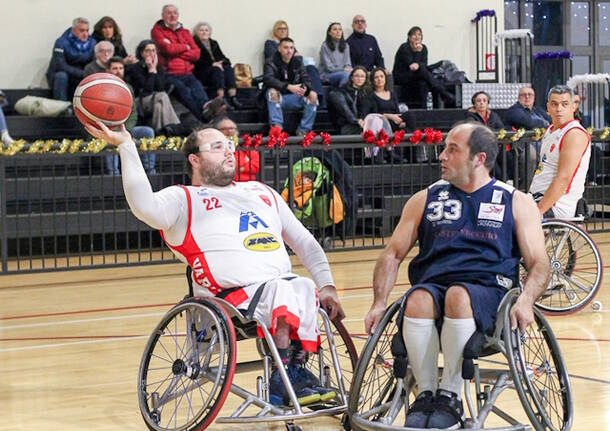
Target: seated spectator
(116, 66)
(150, 88)
(363, 47)
(213, 68)
(335, 61)
(178, 53)
(411, 72)
(247, 162)
(287, 86)
(480, 112)
(351, 102)
(280, 31)
(523, 114)
(4, 135)
(107, 29)
(385, 103)
(103, 53)
(71, 52)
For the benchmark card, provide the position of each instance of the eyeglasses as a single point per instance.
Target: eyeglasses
(282, 28)
(359, 21)
(217, 147)
(526, 94)
(106, 51)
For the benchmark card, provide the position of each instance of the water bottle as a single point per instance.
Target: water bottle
(429, 104)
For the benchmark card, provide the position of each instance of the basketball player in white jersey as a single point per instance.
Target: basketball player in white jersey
(232, 235)
(564, 158)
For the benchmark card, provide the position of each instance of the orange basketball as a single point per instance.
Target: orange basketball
(102, 97)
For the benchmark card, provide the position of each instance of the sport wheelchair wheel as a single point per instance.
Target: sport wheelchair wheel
(374, 385)
(539, 374)
(576, 268)
(187, 367)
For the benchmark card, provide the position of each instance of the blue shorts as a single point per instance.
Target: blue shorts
(485, 301)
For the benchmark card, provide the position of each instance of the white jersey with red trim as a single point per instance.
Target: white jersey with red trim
(552, 141)
(234, 236)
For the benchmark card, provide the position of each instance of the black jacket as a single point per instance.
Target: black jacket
(206, 59)
(404, 57)
(145, 83)
(518, 116)
(350, 104)
(494, 122)
(279, 75)
(364, 51)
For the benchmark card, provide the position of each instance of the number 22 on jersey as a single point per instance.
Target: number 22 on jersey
(211, 203)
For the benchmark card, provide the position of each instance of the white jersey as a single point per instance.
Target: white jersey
(234, 236)
(552, 141)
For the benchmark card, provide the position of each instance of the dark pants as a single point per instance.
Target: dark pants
(417, 85)
(62, 85)
(218, 79)
(316, 83)
(190, 93)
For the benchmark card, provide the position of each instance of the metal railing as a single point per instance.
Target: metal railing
(62, 211)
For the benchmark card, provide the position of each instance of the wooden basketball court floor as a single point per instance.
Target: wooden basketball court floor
(71, 343)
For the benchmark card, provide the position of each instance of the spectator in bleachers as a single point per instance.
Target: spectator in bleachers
(213, 68)
(107, 29)
(247, 162)
(288, 86)
(4, 135)
(351, 102)
(71, 52)
(103, 53)
(385, 102)
(480, 112)
(116, 66)
(335, 61)
(150, 88)
(523, 114)
(363, 47)
(280, 31)
(411, 72)
(178, 53)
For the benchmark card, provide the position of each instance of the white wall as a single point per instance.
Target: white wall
(30, 27)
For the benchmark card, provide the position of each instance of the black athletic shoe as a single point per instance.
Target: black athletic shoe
(448, 411)
(420, 410)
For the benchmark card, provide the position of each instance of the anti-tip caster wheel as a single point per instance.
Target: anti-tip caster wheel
(290, 426)
(596, 306)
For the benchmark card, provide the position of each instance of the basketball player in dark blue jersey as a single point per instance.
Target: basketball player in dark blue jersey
(472, 230)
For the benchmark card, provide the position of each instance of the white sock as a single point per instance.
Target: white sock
(6, 138)
(421, 340)
(454, 336)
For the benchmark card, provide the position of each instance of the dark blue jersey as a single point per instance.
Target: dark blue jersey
(467, 237)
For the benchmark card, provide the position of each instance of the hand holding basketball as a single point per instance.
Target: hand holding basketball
(102, 97)
(101, 131)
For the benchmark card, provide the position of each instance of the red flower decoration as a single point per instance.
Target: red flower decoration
(282, 139)
(428, 135)
(382, 139)
(308, 138)
(398, 137)
(258, 138)
(416, 137)
(247, 140)
(368, 136)
(325, 138)
(438, 136)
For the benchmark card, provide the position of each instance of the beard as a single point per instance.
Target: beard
(220, 175)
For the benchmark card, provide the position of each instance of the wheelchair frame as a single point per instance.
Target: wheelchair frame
(488, 383)
(236, 327)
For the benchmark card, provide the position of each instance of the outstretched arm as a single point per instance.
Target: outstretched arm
(531, 244)
(386, 268)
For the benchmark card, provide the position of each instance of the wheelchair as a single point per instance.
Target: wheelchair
(189, 362)
(530, 363)
(576, 268)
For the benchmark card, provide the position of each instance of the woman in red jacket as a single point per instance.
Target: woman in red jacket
(247, 162)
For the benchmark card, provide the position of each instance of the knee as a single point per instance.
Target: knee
(161, 97)
(457, 303)
(60, 77)
(420, 304)
(273, 95)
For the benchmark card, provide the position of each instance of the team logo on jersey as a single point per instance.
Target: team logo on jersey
(444, 195)
(496, 198)
(552, 148)
(265, 199)
(261, 241)
(491, 212)
(505, 282)
(249, 219)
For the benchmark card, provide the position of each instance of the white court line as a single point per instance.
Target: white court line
(70, 322)
(72, 343)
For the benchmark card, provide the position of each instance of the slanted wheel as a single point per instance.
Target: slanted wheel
(346, 353)
(187, 367)
(374, 384)
(576, 268)
(539, 374)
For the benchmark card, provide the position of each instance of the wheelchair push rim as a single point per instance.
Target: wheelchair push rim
(187, 367)
(544, 388)
(576, 268)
